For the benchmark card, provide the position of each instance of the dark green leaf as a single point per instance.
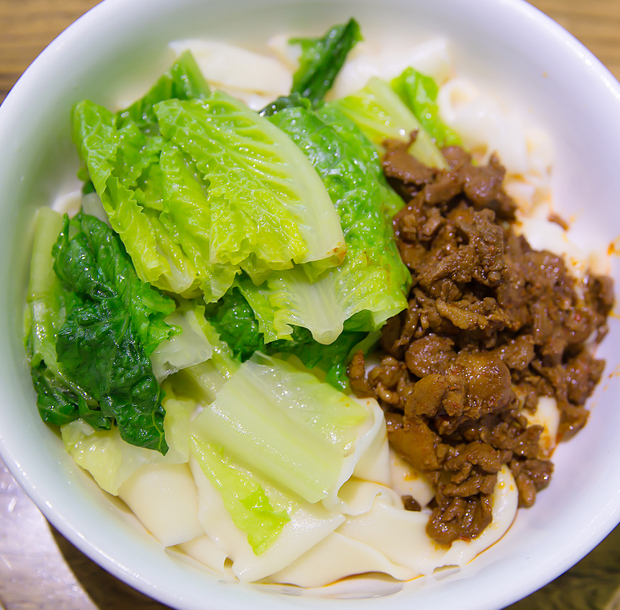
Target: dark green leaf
(322, 59)
(91, 260)
(58, 404)
(113, 323)
(97, 347)
(236, 324)
(289, 101)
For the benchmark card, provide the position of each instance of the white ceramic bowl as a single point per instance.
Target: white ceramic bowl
(504, 43)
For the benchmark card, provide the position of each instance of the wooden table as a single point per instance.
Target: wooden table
(39, 569)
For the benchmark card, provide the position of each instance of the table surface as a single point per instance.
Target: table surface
(41, 569)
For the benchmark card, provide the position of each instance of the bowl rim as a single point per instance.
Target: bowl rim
(608, 515)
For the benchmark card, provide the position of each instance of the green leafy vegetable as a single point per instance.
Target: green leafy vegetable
(322, 59)
(198, 187)
(111, 460)
(60, 402)
(91, 262)
(419, 93)
(264, 199)
(381, 114)
(186, 221)
(370, 286)
(236, 324)
(59, 399)
(95, 325)
(243, 495)
(284, 424)
(188, 348)
(157, 259)
(184, 81)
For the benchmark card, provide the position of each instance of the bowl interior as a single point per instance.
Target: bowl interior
(115, 52)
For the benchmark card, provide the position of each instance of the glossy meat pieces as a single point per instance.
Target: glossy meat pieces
(492, 325)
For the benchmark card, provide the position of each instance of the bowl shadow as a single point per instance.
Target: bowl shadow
(105, 591)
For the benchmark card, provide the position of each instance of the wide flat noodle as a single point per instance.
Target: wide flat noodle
(337, 557)
(165, 499)
(395, 532)
(384, 538)
(206, 552)
(309, 524)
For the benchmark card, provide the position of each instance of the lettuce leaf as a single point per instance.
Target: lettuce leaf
(91, 327)
(188, 348)
(121, 153)
(199, 187)
(186, 219)
(264, 199)
(371, 285)
(183, 81)
(380, 113)
(59, 399)
(90, 261)
(419, 93)
(242, 493)
(237, 325)
(113, 323)
(283, 424)
(111, 460)
(102, 147)
(322, 58)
